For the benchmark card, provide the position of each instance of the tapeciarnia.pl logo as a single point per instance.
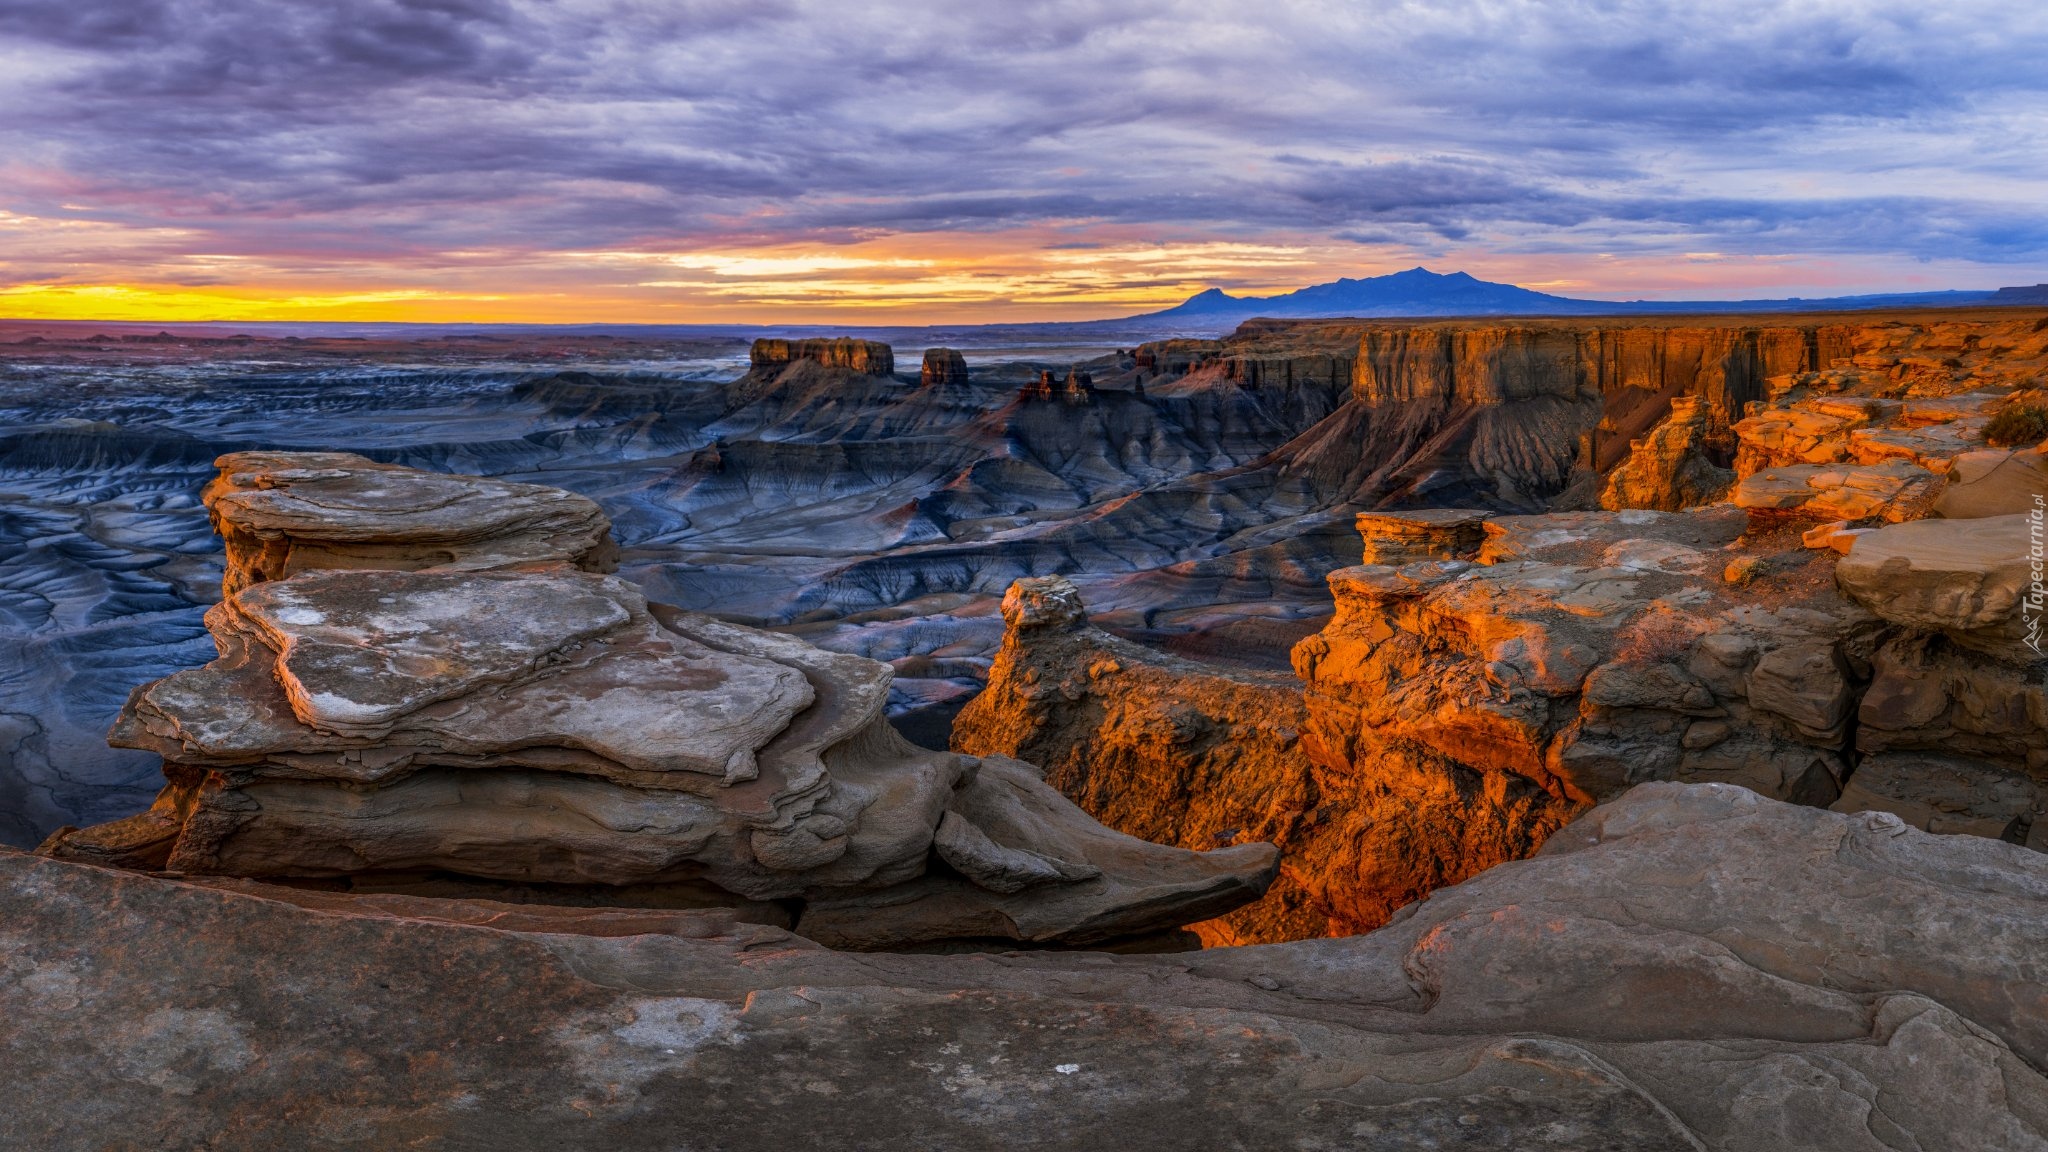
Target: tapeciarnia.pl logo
(2037, 595)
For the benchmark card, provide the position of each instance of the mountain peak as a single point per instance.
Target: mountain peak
(1420, 292)
(1414, 292)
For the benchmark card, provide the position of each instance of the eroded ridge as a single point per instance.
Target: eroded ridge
(542, 730)
(1485, 678)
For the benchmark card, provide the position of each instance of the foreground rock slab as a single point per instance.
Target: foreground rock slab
(1687, 967)
(1967, 579)
(287, 512)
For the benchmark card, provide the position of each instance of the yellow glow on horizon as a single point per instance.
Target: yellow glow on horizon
(150, 303)
(81, 270)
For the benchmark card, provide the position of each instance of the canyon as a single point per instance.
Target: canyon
(1198, 493)
(1668, 772)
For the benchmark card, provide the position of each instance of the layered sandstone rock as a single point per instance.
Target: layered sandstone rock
(1929, 694)
(1685, 967)
(1162, 748)
(1897, 458)
(1517, 414)
(942, 367)
(285, 512)
(862, 357)
(1818, 431)
(1422, 534)
(1893, 490)
(1971, 580)
(1668, 470)
(540, 726)
(1588, 652)
(1452, 714)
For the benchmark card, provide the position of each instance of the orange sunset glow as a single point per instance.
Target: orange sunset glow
(1012, 276)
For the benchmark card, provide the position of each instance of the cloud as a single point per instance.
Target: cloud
(438, 135)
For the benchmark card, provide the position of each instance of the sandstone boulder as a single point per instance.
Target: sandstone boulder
(1968, 579)
(1994, 483)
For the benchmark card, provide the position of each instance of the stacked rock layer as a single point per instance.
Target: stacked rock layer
(544, 726)
(1458, 710)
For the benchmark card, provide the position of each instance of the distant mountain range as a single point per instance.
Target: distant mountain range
(1420, 292)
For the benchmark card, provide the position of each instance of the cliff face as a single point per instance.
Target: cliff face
(1506, 413)
(865, 357)
(1487, 679)
(1175, 752)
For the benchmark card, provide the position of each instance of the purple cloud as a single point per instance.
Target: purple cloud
(427, 126)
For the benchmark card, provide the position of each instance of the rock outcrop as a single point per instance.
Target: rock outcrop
(1974, 581)
(1162, 748)
(1468, 700)
(1893, 490)
(1586, 652)
(942, 367)
(861, 357)
(281, 513)
(1948, 794)
(1686, 967)
(1453, 714)
(1669, 470)
(542, 726)
(1421, 534)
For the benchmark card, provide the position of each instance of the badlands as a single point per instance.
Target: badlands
(1667, 775)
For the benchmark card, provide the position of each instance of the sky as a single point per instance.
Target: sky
(727, 161)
